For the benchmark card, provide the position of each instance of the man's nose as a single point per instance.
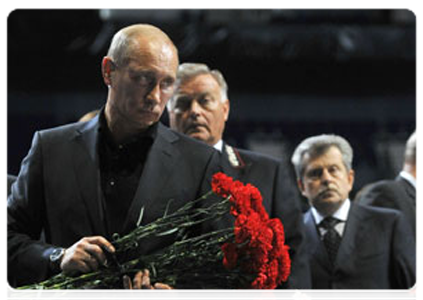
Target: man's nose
(326, 177)
(195, 109)
(154, 94)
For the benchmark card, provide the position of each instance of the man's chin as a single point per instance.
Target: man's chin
(198, 136)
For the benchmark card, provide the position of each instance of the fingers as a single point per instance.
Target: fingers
(165, 291)
(141, 288)
(102, 242)
(86, 255)
(145, 280)
(127, 284)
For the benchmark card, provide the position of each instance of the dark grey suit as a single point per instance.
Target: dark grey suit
(58, 190)
(280, 198)
(377, 251)
(397, 194)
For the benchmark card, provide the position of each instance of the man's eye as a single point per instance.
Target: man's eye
(333, 169)
(182, 104)
(142, 79)
(205, 101)
(315, 173)
(167, 84)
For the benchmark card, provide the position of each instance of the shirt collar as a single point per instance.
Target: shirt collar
(341, 214)
(219, 146)
(408, 177)
(150, 133)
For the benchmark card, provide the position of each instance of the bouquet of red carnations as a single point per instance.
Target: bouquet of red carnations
(251, 254)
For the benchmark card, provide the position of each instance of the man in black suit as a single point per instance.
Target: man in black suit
(82, 183)
(400, 193)
(10, 180)
(199, 109)
(350, 246)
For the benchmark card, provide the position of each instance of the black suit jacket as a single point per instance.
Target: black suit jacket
(58, 191)
(377, 251)
(10, 180)
(397, 194)
(280, 194)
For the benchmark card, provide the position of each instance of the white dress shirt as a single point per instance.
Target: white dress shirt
(341, 214)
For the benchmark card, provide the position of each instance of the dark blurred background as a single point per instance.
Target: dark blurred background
(291, 74)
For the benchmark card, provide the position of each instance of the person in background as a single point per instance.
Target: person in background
(200, 108)
(81, 183)
(10, 180)
(350, 246)
(89, 115)
(399, 193)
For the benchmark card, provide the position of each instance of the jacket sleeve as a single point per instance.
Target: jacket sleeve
(382, 194)
(403, 255)
(28, 257)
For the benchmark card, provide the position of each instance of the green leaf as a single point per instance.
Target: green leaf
(173, 230)
(140, 217)
(167, 208)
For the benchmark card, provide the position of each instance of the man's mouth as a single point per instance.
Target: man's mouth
(327, 192)
(195, 128)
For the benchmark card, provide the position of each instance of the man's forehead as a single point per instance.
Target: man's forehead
(330, 155)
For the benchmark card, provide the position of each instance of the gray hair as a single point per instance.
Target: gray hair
(187, 71)
(318, 145)
(410, 149)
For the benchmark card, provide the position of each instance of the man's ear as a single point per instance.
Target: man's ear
(301, 186)
(226, 109)
(107, 67)
(351, 176)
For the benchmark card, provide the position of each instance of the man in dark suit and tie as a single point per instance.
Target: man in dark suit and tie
(400, 193)
(82, 183)
(199, 109)
(350, 246)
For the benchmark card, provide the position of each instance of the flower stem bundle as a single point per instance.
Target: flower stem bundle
(251, 254)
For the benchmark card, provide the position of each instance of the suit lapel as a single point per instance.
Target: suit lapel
(226, 165)
(87, 174)
(349, 240)
(157, 170)
(409, 189)
(233, 163)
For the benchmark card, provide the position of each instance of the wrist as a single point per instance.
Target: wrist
(55, 259)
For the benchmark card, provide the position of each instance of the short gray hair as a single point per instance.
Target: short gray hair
(410, 149)
(187, 71)
(318, 145)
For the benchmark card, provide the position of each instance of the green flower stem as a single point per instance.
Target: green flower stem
(185, 261)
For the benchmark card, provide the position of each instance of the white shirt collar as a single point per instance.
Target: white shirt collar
(340, 214)
(407, 176)
(219, 146)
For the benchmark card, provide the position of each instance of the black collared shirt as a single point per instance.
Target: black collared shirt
(121, 167)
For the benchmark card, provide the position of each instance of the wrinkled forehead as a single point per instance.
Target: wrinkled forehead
(198, 84)
(151, 52)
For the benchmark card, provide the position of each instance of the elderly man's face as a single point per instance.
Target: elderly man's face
(199, 111)
(326, 182)
(142, 87)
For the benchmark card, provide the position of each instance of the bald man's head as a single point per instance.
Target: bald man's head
(129, 39)
(140, 72)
